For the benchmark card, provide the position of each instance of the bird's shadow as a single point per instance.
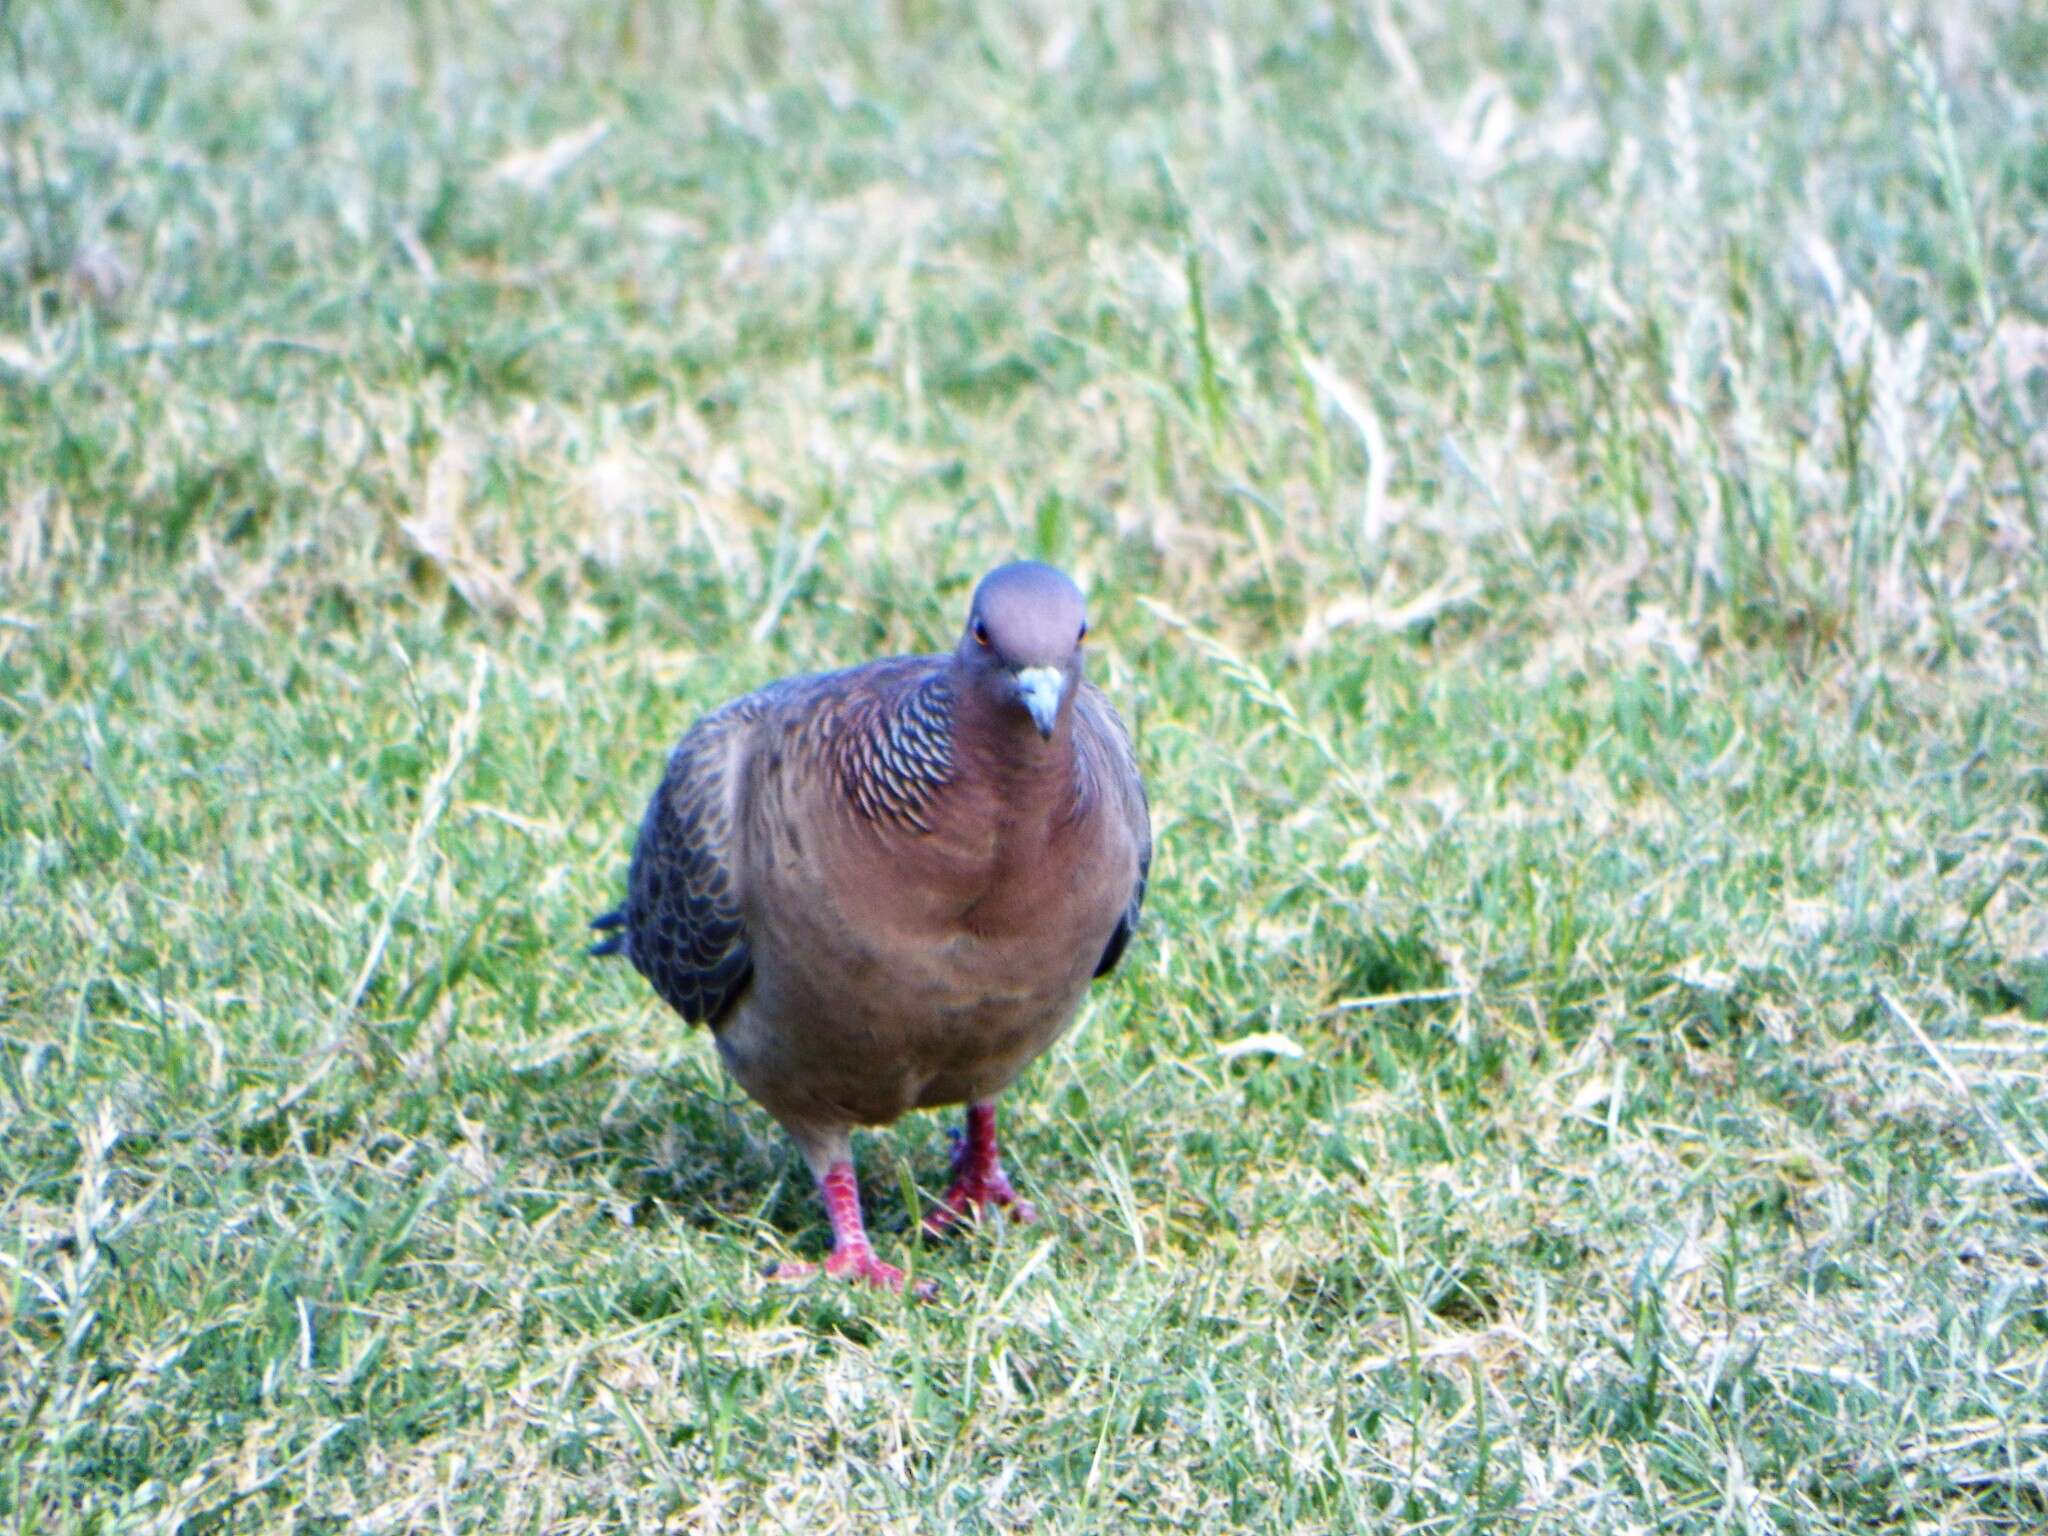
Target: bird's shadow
(679, 1151)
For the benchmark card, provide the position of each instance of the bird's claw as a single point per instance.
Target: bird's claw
(861, 1264)
(848, 1264)
(971, 1197)
(790, 1271)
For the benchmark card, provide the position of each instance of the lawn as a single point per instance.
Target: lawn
(1562, 494)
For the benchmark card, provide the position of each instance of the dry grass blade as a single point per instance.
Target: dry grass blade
(419, 850)
(419, 844)
(532, 169)
(2016, 1162)
(1352, 405)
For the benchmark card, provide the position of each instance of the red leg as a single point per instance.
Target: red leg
(851, 1257)
(978, 1178)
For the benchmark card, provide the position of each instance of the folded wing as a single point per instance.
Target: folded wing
(681, 919)
(1113, 764)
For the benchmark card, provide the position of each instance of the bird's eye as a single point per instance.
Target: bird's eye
(980, 633)
(1084, 633)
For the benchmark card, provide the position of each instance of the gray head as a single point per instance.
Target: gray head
(1022, 645)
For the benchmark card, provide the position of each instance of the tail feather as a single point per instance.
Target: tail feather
(615, 918)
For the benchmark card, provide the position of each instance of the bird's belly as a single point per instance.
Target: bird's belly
(977, 1016)
(894, 1020)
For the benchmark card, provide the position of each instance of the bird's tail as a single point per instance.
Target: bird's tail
(616, 918)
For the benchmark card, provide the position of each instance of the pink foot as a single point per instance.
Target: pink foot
(847, 1265)
(851, 1257)
(969, 1199)
(979, 1182)
(861, 1264)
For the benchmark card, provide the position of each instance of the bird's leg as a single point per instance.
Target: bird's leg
(831, 1160)
(851, 1255)
(978, 1177)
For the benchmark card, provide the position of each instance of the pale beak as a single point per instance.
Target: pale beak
(1039, 690)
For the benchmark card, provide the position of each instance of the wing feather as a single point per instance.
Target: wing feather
(683, 928)
(1110, 742)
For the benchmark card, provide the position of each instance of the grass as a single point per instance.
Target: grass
(1563, 501)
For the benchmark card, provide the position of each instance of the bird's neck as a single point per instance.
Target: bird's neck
(998, 746)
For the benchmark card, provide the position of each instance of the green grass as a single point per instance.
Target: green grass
(1561, 490)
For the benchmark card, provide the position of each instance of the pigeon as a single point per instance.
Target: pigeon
(889, 887)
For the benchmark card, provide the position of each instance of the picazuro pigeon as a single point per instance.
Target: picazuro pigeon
(888, 888)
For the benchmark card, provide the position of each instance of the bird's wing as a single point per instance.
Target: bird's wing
(886, 729)
(682, 914)
(1108, 743)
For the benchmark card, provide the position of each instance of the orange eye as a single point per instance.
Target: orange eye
(980, 633)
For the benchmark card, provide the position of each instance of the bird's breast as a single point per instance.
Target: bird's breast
(897, 969)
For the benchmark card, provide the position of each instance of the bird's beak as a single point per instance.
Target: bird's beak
(1039, 690)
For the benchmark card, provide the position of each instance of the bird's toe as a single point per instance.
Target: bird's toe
(861, 1264)
(970, 1198)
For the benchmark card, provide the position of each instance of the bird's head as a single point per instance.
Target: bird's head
(1022, 645)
